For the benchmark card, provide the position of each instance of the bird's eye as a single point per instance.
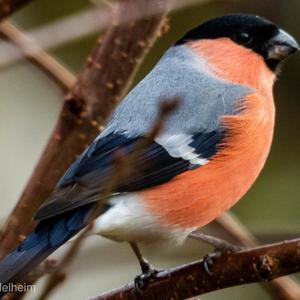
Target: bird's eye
(243, 38)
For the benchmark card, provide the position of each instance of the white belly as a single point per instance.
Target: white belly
(128, 220)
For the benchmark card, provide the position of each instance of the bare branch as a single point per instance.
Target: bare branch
(231, 269)
(104, 81)
(90, 20)
(63, 77)
(285, 288)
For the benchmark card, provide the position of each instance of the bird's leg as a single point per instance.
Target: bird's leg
(221, 246)
(148, 272)
(145, 266)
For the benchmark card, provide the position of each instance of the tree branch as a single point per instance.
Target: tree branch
(102, 84)
(231, 269)
(63, 77)
(285, 288)
(91, 20)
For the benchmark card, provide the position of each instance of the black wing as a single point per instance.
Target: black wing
(84, 180)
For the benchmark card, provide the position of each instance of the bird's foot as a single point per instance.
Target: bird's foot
(208, 261)
(225, 248)
(221, 247)
(142, 281)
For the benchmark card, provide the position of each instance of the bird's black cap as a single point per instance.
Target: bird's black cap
(229, 25)
(251, 31)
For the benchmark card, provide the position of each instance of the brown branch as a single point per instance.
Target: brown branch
(90, 20)
(63, 77)
(285, 288)
(104, 81)
(231, 269)
(7, 7)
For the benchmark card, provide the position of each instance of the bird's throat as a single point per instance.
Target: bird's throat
(236, 64)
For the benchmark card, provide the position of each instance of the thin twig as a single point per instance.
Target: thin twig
(29, 47)
(59, 276)
(231, 269)
(91, 21)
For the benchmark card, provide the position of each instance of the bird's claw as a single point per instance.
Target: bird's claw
(208, 260)
(142, 281)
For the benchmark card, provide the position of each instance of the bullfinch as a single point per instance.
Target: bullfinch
(208, 154)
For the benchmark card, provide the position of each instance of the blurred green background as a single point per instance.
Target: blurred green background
(30, 103)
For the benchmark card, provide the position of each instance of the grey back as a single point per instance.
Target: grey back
(180, 73)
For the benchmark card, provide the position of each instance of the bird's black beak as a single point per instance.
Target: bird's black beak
(281, 46)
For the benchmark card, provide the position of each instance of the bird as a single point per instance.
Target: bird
(207, 155)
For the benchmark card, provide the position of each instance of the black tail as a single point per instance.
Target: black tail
(49, 235)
